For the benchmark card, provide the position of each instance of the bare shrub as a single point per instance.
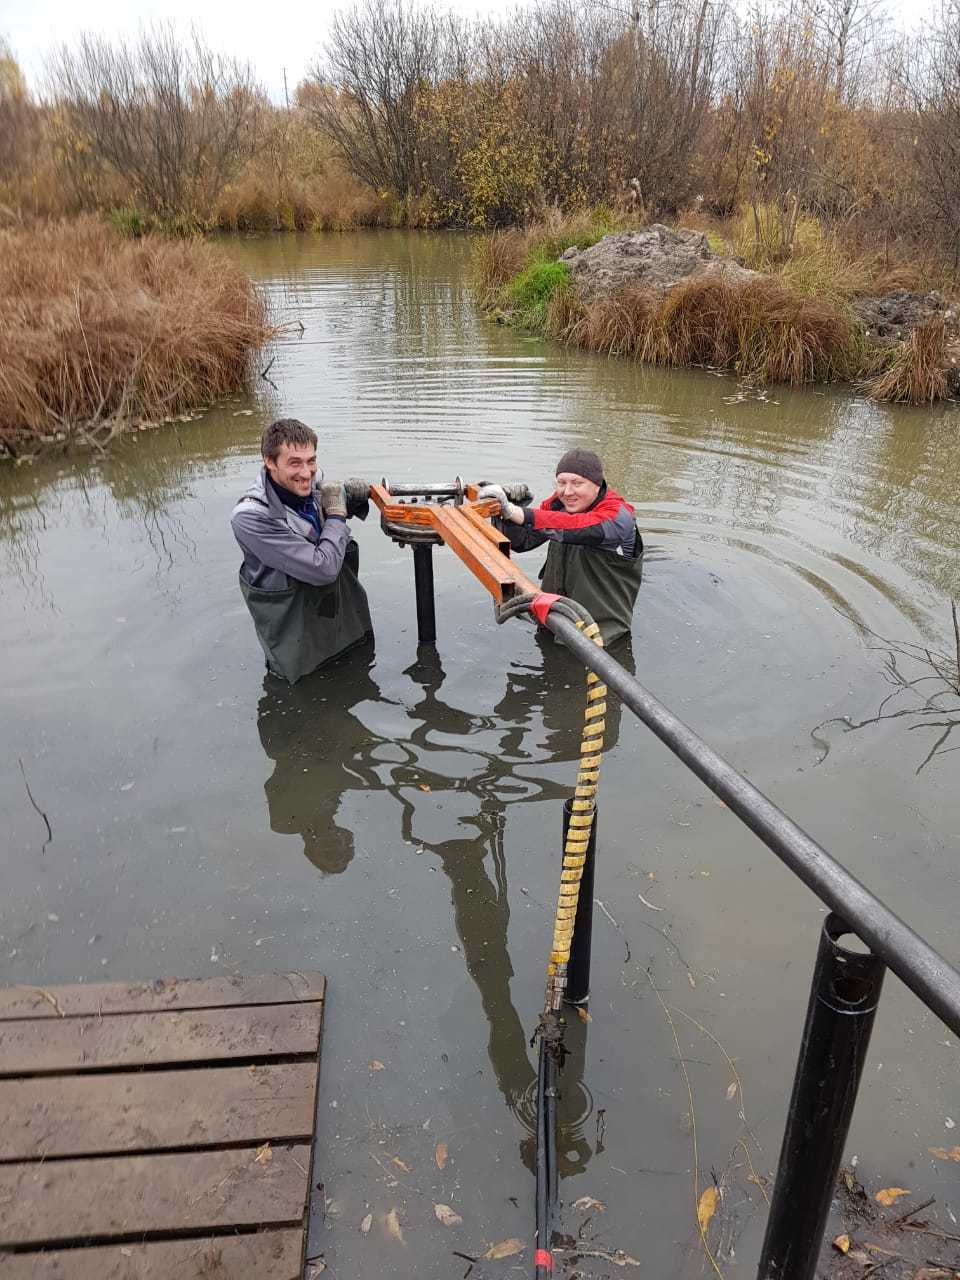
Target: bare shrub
(931, 75)
(176, 122)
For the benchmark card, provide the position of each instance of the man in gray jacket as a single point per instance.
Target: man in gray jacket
(299, 571)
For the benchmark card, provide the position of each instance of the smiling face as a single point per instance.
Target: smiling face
(577, 493)
(294, 467)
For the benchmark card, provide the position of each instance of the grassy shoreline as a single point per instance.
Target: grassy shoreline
(793, 322)
(99, 333)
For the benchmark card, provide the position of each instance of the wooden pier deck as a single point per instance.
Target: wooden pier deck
(158, 1130)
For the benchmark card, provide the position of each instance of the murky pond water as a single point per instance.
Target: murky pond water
(395, 822)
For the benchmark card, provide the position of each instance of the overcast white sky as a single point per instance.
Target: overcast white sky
(271, 37)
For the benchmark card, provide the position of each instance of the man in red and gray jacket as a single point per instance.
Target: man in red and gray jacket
(595, 554)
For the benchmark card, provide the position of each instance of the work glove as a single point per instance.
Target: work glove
(333, 499)
(509, 510)
(358, 497)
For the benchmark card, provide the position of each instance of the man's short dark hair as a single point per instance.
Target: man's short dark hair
(285, 431)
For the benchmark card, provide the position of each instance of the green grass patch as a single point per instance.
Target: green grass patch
(530, 292)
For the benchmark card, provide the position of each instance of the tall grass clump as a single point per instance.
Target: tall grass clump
(915, 371)
(97, 330)
(497, 259)
(757, 328)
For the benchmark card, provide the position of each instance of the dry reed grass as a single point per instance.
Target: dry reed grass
(333, 201)
(497, 258)
(757, 328)
(96, 330)
(915, 371)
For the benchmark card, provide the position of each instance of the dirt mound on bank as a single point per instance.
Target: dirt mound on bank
(656, 258)
(894, 316)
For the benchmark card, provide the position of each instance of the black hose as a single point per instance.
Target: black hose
(546, 1197)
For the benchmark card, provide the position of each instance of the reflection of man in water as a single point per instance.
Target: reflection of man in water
(314, 726)
(311, 731)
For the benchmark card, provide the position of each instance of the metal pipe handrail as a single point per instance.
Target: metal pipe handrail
(928, 975)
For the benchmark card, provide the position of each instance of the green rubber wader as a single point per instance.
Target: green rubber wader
(303, 626)
(604, 583)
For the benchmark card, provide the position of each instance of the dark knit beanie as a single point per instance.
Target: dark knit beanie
(582, 462)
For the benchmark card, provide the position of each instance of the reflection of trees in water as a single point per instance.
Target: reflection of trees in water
(924, 688)
(139, 485)
(22, 521)
(145, 487)
(314, 731)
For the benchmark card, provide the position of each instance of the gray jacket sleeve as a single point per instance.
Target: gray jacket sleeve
(317, 563)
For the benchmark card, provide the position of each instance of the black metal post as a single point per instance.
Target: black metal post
(843, 1002)
(423, 579)
(578, 968)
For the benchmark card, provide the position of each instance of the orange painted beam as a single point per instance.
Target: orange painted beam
(467, 532)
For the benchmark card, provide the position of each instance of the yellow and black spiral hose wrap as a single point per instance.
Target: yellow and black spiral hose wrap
(579, 829)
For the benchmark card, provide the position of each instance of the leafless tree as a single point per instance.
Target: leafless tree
(931, 75)
(849, 29)
(377, 58)
(173, 119)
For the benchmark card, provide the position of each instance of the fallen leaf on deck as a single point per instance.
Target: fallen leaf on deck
(264, 1154)
(440, 1155)
(400, 1165)
(731, 1090)
(842, 1243)
(447, 1216)
(890, 1195)
(505, 1249)
(376, 1065)
(392, 1221)
(583, 1014)
(366, 1224)
(707, 1207)
(943, 1154)
(588, 1202)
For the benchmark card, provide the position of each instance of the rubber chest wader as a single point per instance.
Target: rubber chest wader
(304, 626)
(605, 583)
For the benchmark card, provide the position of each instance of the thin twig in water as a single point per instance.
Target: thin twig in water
(754, 1176)
(49, 839)
(693, 1125)
(912, 1213)
(730, 1064)
(617, 1257)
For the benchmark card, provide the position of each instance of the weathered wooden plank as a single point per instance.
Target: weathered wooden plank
(268, 1255)
(129, 1195)
(153, 1039)
(169, 993)
(139, 1111)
